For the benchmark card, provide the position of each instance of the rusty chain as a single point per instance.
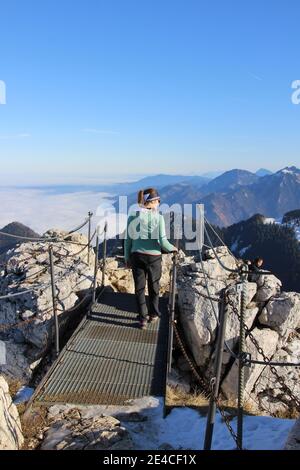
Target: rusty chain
(266, 359)
(207, 389)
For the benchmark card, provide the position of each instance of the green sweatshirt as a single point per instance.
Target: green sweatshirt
(146, 233)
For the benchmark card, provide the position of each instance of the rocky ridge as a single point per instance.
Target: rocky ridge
(27, 327)
(272, 316)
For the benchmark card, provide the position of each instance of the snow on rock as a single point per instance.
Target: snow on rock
(182, 429)
(243, 250)
(269, 220)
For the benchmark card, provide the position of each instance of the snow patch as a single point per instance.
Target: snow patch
(269, 220)
(184, 428)
(23, 395)
(243, 250)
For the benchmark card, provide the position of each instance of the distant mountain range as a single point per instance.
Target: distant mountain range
(232, 196)
(272, 195)
(14, 228)
(238, 194)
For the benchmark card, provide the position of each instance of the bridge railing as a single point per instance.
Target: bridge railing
(50, 267)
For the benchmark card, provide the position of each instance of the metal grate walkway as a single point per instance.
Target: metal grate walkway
(109, 360)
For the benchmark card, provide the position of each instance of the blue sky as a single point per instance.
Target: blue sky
(112, 89)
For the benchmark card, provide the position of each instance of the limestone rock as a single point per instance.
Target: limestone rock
(16, 364)
(267, 286)
(179, 381)
(11, 437)
(270, 393)
(28, 319)
(282, 313)
(121, 280)
(267, 339)
(73, 432)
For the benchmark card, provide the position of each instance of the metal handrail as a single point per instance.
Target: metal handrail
(171, 306)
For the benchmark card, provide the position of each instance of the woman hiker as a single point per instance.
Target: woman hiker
(144, 243)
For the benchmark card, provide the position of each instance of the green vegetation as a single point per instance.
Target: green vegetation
(276, 244)
(292, 216)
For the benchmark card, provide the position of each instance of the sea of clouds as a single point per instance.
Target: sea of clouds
(42, 209)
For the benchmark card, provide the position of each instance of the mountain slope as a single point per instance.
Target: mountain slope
(263, 172)
(275, 243)
(230, 180)
(273, 195)
(157, 181)
(14, 228)
(190, 192)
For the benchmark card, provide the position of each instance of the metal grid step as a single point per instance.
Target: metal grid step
(108, 360)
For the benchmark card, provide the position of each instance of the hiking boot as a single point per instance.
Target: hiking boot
(153, 318)
(143, 324)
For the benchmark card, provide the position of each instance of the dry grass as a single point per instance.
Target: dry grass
(177, 397)
(33, 425)
(14, 385)
(288, 414)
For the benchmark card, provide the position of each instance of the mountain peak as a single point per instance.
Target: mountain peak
(14, 228)
(263, 172)
(17, 228)
(289, 170)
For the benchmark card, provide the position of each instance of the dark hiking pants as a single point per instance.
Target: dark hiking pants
(146, 267)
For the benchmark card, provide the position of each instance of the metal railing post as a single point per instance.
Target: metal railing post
(96, 269)
(215, 383)
(172, 303)
(241, 380)
(56, 324)
(104, 254)
(90, 214)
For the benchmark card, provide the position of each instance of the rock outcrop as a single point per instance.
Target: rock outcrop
(272, 316)
(282, 314)
(267, 339)
(121, 280)
(27, 325)
(11, 437)
(72, 430)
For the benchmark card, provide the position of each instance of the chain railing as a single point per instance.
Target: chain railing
(54, 258)
(247, 360)
(243, 357)
(209, 391)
